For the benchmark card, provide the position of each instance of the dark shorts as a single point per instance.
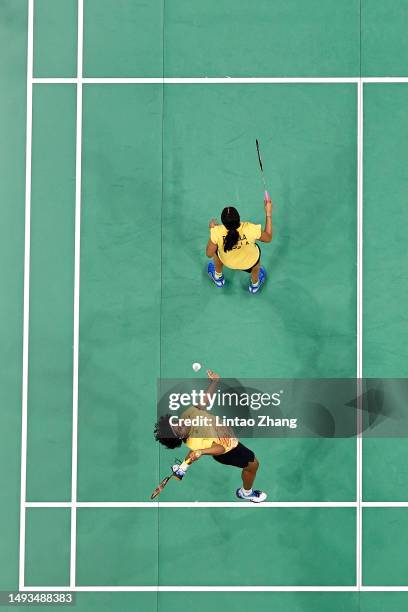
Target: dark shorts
(239, 456)
(249, 270)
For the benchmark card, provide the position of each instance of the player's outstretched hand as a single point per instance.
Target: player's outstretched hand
(213, 375)
(268, 205)
(212, 223)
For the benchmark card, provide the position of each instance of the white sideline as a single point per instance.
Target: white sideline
(359, 314)
(77, 260)
(26, 298)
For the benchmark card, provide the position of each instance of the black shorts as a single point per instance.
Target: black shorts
(249, 270)
(239, 456)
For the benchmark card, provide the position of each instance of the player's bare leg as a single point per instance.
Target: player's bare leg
(215, 271)
(218, 264)
(249, 473)
(248, 477)
(258, 275)
(255, 273)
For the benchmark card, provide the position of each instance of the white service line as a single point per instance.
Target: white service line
(359, 372)
(26, 298)
(77, 264)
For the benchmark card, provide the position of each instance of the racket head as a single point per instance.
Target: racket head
(161, 486)
(259, 155)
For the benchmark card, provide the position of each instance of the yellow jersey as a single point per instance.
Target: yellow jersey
(204, 436)
(245, 253)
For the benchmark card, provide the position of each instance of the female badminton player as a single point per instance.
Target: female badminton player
(233, 244)
(210, 440)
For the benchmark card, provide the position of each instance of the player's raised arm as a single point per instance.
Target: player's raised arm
(266, 234)
(214, 377)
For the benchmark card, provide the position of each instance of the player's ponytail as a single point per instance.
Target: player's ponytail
(230, 218)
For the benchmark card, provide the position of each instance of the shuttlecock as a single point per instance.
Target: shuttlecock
(196, 367)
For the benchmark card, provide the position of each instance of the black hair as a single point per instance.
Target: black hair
(230, 218)
(164, 434)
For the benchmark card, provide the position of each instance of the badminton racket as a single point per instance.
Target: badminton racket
(266, 194)
(161, 486)
(166, 479)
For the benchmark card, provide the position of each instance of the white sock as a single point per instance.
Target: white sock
(245, 492)
(218, 274)
(255, 284)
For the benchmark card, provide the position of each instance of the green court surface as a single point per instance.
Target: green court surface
(156, 161)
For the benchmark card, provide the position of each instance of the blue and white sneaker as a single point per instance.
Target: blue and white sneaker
(218, 282)
(256, 496)
(261, 279)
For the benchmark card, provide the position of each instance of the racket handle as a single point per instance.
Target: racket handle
(267, 197)
(180, 469)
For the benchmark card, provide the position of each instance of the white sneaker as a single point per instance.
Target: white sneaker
(256, 496)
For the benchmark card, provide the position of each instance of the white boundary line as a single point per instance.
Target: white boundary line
(196, 80)
(232, 588)
(77, 264)
(26, 298)
(203, 504)
(359, 440)
(74, 504)
(216, 80)
(209, 504)
(384, 79)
